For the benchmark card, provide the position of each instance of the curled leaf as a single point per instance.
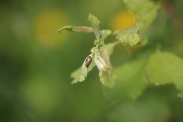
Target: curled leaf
(83, 74)
(129, 36)
(80, 29)
(79, 75)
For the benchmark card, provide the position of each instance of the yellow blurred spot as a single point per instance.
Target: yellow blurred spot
(123, 20)
(46, 25)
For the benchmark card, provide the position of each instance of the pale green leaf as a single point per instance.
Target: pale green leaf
(106, 72)
(131, 81)
(75, 75)
(105, 33)
(94, 21)
(108, 77)
(81, 29)
(144, 10)
(78, 76)
(83, 74)
(129, 36)
(166, 68)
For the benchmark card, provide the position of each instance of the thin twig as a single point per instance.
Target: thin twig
(173, 14)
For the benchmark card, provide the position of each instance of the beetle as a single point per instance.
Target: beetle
(88, 61)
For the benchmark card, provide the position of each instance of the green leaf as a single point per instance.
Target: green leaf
(131, 81)
(78, 76)
(105, 33)
(83, 74)
(129, 36)
(149, 109)
(80, 29)
(144, 10)
(75, 75)
(106, 72)
(94, 21)
(108, 77)
(166, 68)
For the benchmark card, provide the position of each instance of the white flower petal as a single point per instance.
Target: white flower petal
(99, 62)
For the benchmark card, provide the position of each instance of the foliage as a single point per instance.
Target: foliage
(131, 81)
(144, 10)
(128, 37)
(166, 68)
(159, 70)
(129, 58)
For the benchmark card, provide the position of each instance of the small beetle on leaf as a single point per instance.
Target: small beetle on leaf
(88, 61)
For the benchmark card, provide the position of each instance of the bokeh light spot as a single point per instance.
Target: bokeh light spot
(122, 20)
(46, 25)
(41, 94)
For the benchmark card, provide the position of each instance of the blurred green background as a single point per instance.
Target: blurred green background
(36, 62)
